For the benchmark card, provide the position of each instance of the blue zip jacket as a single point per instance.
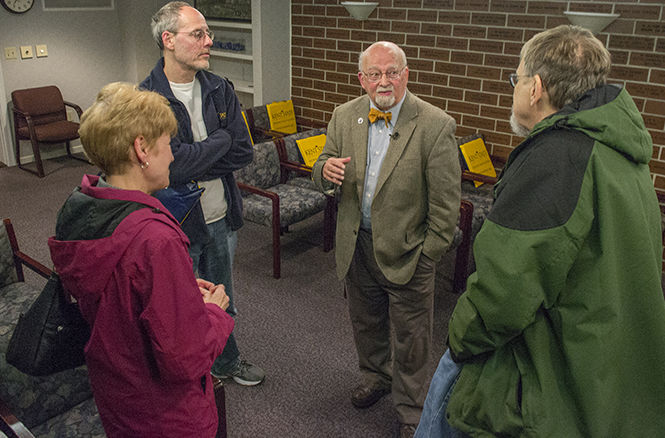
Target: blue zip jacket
(227, 148)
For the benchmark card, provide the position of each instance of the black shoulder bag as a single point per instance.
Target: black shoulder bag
(51, 335)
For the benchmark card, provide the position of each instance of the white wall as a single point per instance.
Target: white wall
(86, 50)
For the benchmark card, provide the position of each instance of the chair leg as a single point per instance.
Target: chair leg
(464, 248)
(276, 250)
(38, 157)
(18, 159)
(220, 401)
(69, 153)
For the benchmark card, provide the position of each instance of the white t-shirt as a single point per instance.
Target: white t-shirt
(213, 200)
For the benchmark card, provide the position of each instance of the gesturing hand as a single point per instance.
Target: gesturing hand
(333, 169)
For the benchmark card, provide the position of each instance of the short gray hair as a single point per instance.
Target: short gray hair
(396, 51)
(166, 19)
(569, 60)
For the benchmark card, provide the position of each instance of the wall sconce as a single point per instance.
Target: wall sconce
(593, 21)
(360, 10)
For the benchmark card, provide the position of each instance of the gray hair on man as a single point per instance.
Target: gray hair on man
(394, 49)
(570, 60)
(166, 19)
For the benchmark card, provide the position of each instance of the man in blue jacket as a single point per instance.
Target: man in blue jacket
(211, 143)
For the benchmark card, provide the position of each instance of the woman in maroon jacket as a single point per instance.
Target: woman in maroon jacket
(155, 328)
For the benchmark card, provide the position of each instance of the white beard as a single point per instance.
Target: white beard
(518, 128)
(384, 102)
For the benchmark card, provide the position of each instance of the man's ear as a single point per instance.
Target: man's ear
(360, 79)
(537, 90)
(167, 40)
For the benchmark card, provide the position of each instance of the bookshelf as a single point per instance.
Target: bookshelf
(255, 56)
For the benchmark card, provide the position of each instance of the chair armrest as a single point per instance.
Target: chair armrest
(296, 167)
(32, 264)
(21, 259)
(472, 176)
(265, 193)
(19, 112)
(10, 425)
(76, 108)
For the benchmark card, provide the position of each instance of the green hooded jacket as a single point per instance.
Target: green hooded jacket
(561, 330)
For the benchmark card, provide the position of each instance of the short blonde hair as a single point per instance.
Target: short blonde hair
(121, 113)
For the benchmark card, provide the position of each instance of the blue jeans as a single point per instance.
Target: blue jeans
(433, 422)
(214, 262)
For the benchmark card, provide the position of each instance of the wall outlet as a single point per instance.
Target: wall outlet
(26, 52)
(41, 50)
(11, 53)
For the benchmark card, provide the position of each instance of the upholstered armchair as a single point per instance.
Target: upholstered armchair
(270, 202)
(41, 117)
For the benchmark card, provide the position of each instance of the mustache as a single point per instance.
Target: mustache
(382, 89)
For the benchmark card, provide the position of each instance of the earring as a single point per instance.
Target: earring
(145, 165)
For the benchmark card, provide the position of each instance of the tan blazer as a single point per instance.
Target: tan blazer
(417, 197)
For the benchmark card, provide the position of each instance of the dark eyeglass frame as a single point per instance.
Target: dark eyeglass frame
(198, 34)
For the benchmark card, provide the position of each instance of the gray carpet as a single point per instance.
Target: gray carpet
(297, 328)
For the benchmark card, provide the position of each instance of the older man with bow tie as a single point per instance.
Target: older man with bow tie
(393, 158)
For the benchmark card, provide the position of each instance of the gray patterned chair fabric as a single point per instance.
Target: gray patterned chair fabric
(295, 172)
(269, 202)
(258, 122)
(44, 403)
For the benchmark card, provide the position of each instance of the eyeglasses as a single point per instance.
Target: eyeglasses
(514, 78)
(199, 34)
(375, 76)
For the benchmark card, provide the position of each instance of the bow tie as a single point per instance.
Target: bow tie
(375, 114)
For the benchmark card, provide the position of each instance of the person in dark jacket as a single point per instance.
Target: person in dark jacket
(211, 143)
(560, 330)
(155, 328)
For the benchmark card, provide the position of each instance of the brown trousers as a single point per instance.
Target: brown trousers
(379, 309)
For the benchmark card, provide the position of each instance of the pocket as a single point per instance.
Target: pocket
(488, 395)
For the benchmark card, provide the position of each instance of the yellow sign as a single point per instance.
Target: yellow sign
(249, 131)
(477, 159)
(311, 147)
(282, 117)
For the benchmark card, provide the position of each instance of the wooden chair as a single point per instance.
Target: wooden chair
(258, 122)
(482, 197)
(296, 173)
(12, 261)
(270, 202)
(40, 116)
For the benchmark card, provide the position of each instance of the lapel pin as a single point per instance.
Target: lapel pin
(360, 121)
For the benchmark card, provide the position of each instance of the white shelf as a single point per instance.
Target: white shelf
(230, 24)
(262, 73)
(243, 86)
(231, 55)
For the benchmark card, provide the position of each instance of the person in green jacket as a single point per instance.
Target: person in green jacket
(561, 331)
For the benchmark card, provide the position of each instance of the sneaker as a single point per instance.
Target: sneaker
(244, 373)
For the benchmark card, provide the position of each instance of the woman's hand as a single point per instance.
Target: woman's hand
(213, 293)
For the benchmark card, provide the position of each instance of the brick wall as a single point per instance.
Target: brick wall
(460, 53)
